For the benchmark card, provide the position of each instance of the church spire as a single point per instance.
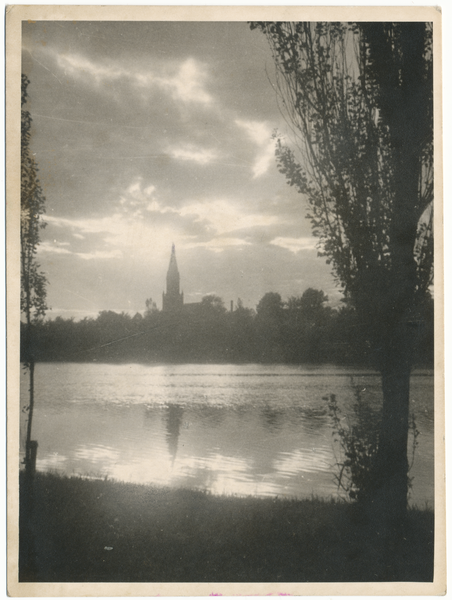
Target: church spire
(173, 299)
(172, 277)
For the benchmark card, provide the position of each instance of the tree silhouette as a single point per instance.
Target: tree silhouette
(33, 281)
(270, 327)
(359, 100)
(308, 322)
(212, 304)
(151, 307)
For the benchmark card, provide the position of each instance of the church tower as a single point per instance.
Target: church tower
(173, 300)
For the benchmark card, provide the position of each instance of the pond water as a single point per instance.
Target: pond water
(235, 429)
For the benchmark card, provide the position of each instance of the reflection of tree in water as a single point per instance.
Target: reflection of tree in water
(210, 416)
(294, 418)
(313, 418)
(273, 418)
(173, 423)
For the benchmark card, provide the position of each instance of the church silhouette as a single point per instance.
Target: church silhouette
(173, 299)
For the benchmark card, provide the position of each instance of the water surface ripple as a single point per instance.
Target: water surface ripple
(236, 429)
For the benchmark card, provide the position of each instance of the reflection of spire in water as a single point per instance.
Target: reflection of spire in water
(173, 423)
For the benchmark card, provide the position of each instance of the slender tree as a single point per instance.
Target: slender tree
(358, 99)
(33, 281)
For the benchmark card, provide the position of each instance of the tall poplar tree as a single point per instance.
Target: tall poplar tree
(359, 101)
(33, 281)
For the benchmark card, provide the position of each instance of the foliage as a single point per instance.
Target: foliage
(151, 307)
(358, 442)
(296, 331)
(212, 304)
(359, 100)
(33, 281)
(32, 207)
(358, 438)
(310, 307)
(270, 304)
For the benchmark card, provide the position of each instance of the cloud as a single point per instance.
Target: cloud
(52, 248)
(79, 66)
(193, 153)
(261, 134)
(296, 244)
(140, 217)
(99, 255)
(183, 81)
(86, 225)
(187, 84)
(47, 247)
(136, 200)
(226, 216)
(219, 244)
(139, 221)
(110, 237)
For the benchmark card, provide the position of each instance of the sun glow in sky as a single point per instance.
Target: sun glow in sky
(149, 133)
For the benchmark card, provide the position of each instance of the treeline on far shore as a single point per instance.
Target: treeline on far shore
(300, 330)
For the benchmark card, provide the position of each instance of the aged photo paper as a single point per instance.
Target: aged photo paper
(225, 315)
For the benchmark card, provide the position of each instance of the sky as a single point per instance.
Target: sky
(153, 133)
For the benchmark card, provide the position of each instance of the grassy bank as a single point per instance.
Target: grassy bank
(100, 531)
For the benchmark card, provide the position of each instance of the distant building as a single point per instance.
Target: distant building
(173, 300)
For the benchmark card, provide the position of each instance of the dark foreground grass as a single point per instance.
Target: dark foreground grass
(103, 531)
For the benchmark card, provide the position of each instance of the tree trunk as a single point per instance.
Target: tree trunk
(389, 502)
(392, 461)
(28, 444)
(387, 505)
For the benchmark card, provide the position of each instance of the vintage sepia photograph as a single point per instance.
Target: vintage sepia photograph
(221, 243)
